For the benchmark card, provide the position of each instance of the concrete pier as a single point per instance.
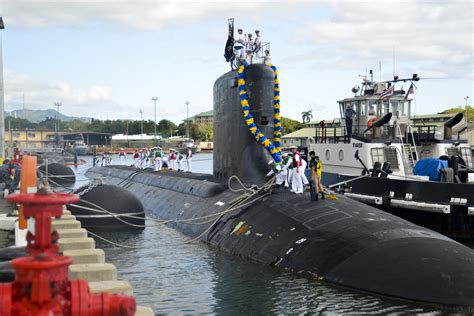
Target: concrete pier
(88, 263)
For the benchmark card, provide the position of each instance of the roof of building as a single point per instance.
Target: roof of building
(428, 116)
(208, 113)
(202, 114)
(302, 133)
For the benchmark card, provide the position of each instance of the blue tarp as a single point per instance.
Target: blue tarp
(430, 167)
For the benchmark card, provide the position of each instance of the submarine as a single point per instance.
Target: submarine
(340, 241)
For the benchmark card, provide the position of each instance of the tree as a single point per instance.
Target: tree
(307, 116)
(459, 109)
(289, 125)
(206, 132)
(165, 126)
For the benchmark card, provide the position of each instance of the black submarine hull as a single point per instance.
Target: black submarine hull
(340, 241)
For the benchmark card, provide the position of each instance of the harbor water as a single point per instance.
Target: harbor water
(174, 276)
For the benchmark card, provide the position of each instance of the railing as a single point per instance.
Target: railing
(333, 135)
(403, 151)
(424, 134)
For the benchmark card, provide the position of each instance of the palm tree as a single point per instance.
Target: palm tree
(307, 116)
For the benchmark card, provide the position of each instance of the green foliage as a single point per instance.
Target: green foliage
(461, 109)
(289, 126)
(205, 132)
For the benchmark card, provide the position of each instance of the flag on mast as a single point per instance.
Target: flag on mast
(387, 93)
(411, 90)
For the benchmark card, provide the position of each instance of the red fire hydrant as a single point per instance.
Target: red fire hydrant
(42, 286)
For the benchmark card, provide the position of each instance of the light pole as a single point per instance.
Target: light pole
(141, 113)
(127, 135)
(465, 106)
(2, 106)
(57, 104)
(187, 119)
(155, 99)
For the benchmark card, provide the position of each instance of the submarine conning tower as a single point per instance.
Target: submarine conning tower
(235, 150)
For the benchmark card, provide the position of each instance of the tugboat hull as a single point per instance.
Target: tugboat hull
(447, 208)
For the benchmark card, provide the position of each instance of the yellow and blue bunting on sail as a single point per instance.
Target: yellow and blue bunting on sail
(276, 110)
(275, 147)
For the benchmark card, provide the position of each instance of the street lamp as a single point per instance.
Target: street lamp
(155, 99)
(141, 113)
(57, 104)
(187, 119)
(2, 105)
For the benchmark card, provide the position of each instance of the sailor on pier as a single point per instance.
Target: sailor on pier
(158, 159)
(189, 158)
(122, 156)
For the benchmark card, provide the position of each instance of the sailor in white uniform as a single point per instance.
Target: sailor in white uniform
(240, 45)
(287, 168)
(189, 158)
(158, 158)
(296, 181)
(122, 156)
(277, 171)
(257, 46)
(180, 160)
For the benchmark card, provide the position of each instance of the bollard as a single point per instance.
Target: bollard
(41, 286)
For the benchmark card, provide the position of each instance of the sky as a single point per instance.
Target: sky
(107, 59)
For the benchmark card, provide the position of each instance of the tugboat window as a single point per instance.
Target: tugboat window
(328, 154)
(264, 120)
(341, 155)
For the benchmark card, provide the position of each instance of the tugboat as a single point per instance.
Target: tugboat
(417, 172)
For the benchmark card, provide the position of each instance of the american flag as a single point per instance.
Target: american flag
(411, 90)
(387, 93)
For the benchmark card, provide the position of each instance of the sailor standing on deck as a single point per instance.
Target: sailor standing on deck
(122, 156)
(240, 45)
(348, 118)
(189, 158)
(296, 181)
(316, 169)
(257, 45)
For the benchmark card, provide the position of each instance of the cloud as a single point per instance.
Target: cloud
(436, 35)
(138, 14)
(45, 94)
